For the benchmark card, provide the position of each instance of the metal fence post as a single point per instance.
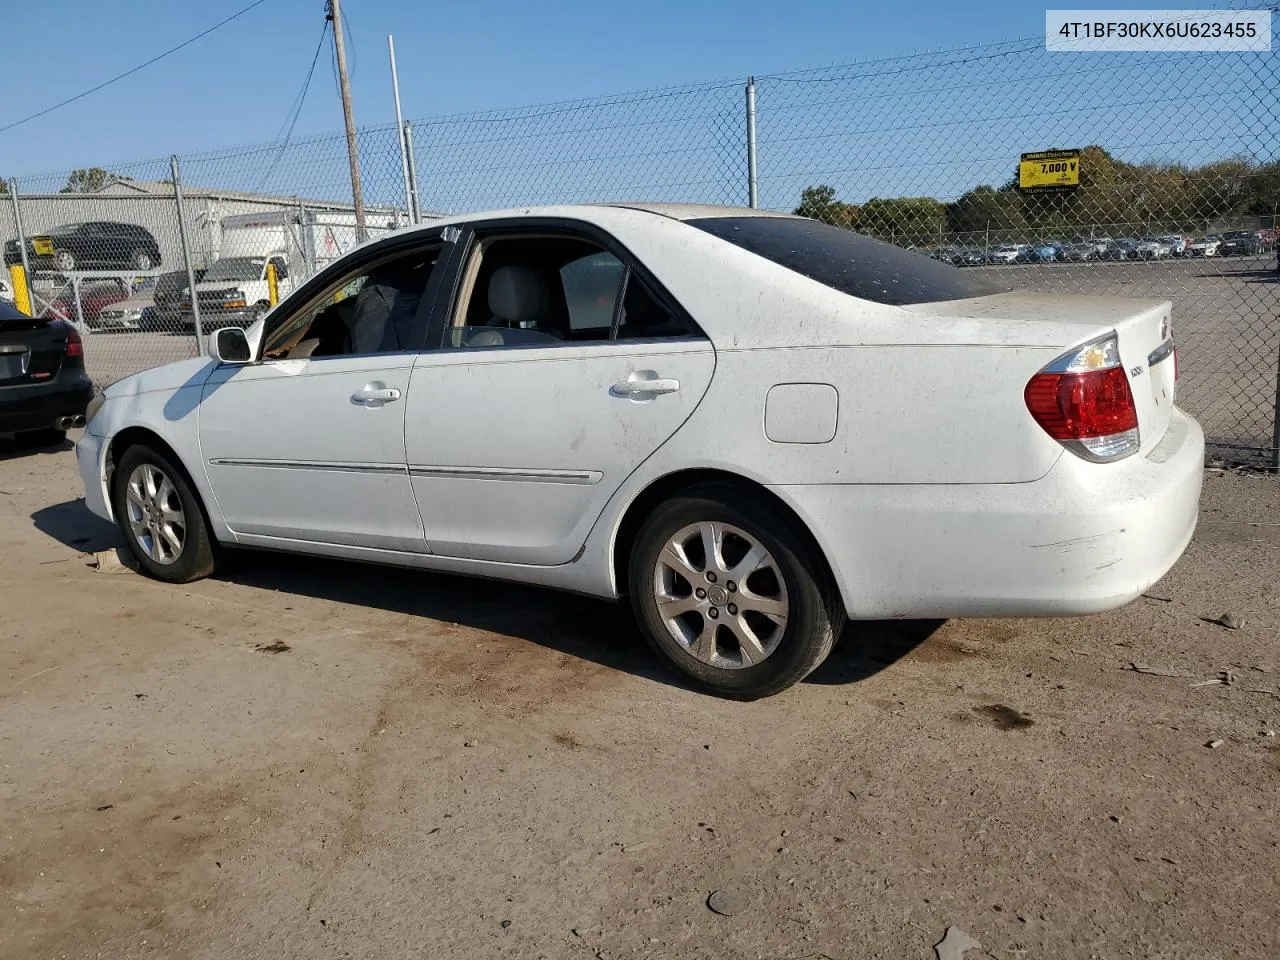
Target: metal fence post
(1275, 423)
(753, 193)
(186, 254)
(407, 139)
(404, 155)
(22, 243)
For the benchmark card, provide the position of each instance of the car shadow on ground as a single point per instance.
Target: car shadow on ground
(590, 629)
(72, 525)
(11, 448)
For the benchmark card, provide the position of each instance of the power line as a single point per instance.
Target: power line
(131, 72)
(291, 119)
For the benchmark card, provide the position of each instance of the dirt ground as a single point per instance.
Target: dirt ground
(309, 759)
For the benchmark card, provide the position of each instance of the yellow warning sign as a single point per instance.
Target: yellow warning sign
(1049, 169)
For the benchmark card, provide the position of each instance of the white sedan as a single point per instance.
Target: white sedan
(753, 425)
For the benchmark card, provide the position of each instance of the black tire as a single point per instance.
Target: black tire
(49, 437)
(141, 259)
(815, 614)
(64, 260)
(196, 558)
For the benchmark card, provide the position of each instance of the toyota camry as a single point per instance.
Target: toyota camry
(753, 426)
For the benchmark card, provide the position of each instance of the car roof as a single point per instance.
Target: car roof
(588, 211)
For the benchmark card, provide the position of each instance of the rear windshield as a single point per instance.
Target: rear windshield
(847, 261)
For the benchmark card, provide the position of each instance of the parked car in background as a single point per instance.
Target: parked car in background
(972, 257)
(94, 296)
(1205, 246)
(135, 313)
(1177, 245)
(1048, 251)
(1149, 248)
(1123, 249)
(97, 244)
(1010, 253)
(44, 389)
(1080, 251)
(167, 298)
(611, 400)
(1240, 243)
(236, 290)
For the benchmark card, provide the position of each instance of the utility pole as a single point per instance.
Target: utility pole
(353, 148)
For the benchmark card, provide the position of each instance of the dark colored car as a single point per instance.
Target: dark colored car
(93, 297)
(43, 386)
(1124, 249)
(99, 244)
(168, 298)
(1240, 243)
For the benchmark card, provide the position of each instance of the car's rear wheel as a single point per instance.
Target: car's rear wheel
(727, 593)
(64, 260)
(160, 516)
(141, 260)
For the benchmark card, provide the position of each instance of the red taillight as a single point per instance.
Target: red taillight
(1083, 401)
(1077, 406)
(75, 346)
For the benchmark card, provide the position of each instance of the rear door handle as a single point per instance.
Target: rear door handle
(644, 387)
(371, 394)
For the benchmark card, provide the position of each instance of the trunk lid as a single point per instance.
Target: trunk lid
(31, 350)
(1143, 330)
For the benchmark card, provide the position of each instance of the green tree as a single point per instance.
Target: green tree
(88, 180)
(985, 208)
(820, 203)
(905, 221)
(1262, 191)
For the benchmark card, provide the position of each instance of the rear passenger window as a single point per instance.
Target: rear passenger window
(642, 316)
(591, 286)
(544, 289)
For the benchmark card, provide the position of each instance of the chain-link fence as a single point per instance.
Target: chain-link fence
(1178, 196)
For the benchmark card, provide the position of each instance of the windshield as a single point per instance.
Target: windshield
(65, 228)
(237, 268)
(847, 261)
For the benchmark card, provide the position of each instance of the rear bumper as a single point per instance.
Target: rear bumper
(1082, 539)
(38, 406)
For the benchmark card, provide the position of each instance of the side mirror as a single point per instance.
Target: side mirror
(229, 345)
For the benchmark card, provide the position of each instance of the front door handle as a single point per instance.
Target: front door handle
(375, 394)
(641, 386)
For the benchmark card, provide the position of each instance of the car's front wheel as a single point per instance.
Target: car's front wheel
(141, 260)
(727, 593)
(64, 260)
(160, 516)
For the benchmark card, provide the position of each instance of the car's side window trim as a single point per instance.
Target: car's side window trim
(473, 236)
(302, 298)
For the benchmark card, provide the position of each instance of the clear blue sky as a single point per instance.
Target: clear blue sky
(236, 85)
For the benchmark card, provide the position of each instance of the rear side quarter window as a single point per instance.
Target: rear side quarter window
(849, 262)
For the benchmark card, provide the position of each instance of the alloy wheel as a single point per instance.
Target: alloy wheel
(721, 595)
(155, 514)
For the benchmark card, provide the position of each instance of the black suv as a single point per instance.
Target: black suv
(1240, 243)
(98, 244)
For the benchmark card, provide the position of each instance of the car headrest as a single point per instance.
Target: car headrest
(518, 293)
